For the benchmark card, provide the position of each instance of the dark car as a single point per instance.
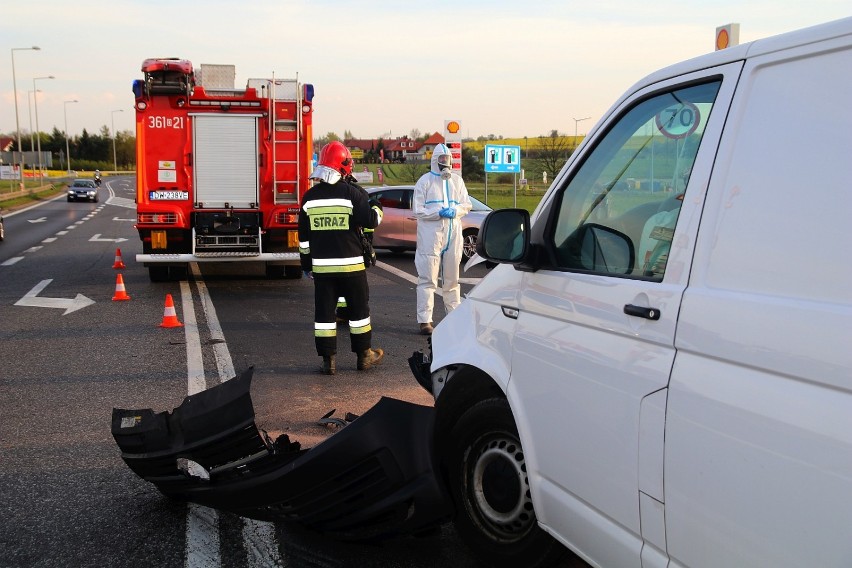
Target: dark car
(2, 229)
(83, 190)
(398, 231)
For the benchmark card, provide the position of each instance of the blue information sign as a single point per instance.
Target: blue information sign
(500, 159)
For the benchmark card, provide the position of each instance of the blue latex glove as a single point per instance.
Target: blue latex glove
(448, 212)
(308, 274)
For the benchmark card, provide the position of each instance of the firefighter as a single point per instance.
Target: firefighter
(440, 201)
(330, 247)
(342, 310)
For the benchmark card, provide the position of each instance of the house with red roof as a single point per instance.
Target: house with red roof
(429, 144)
(388, 150)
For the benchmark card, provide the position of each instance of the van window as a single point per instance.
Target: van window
(633, 181)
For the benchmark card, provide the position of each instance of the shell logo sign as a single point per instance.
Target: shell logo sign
(727, 36)
(453, 140)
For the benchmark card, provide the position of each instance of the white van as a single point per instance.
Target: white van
(659, 373)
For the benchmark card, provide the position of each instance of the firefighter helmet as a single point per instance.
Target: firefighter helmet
(337, 157)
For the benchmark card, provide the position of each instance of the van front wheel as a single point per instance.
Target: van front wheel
(488, 481)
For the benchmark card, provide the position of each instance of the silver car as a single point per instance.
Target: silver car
(83, 189)
(398, 231)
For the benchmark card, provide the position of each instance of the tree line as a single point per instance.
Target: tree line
(88, 151)
(95, 151)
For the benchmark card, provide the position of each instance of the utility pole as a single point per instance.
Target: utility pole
(17, 121)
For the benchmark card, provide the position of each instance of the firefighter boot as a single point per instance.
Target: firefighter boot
(329, 366)
(369, 358)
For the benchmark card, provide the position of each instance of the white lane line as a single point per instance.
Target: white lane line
(259, 540)
(122, 202)
(60, 233)
(32, 249)
(224, 363)
(397, 272)
(413, 279)
(202, 537)
(11, 261)
(202, 523)
(261, 544)
(49, 240)
(194, 359)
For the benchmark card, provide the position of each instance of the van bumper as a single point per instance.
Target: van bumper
(376, 477)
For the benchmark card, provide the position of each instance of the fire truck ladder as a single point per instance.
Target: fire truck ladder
(286, 128)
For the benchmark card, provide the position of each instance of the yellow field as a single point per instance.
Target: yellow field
(526, 143)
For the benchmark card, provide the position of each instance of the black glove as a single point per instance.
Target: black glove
(367, 249)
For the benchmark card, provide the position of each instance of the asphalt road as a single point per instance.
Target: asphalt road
(69, 353)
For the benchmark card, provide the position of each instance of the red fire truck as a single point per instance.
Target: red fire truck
(220, 171)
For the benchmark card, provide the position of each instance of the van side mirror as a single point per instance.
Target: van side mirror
(504, 236)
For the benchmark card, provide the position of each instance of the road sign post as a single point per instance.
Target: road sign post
(502, 159)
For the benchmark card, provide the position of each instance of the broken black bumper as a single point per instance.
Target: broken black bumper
(374, 478)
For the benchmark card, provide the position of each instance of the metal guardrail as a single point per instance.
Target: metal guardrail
(6, 195)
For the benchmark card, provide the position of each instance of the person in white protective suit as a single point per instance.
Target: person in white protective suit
(440, 201)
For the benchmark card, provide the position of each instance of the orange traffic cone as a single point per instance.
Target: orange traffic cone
(169, 315)
(120, 293)
(118, 262)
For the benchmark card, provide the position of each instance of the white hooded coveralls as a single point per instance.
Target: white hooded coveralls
(439, 240)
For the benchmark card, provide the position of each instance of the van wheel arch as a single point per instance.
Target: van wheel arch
(469, 385)
(488, 480)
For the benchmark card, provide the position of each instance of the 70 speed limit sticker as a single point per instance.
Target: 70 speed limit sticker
(678, 121)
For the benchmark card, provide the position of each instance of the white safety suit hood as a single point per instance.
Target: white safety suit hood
(326, 174)
(440, 150)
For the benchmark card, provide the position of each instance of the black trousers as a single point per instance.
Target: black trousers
(327, 289)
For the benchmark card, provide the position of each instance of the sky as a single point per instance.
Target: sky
(379, 68)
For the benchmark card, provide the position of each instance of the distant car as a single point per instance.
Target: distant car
(83, 189)
(398, 231)
(2, 229)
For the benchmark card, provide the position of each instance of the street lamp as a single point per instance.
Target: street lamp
(30, 112)
(17, 123)
(67, 147)
(114, 161)
(38, 132)
(576, 120)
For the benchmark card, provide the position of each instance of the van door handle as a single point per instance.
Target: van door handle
(641, 312)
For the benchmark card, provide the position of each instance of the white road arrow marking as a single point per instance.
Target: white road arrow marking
(97, 238)
(39, 220)
(31, 299)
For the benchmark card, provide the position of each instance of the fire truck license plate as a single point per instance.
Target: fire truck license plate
(169, 195)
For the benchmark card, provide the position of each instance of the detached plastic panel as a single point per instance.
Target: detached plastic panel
(374, 478)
